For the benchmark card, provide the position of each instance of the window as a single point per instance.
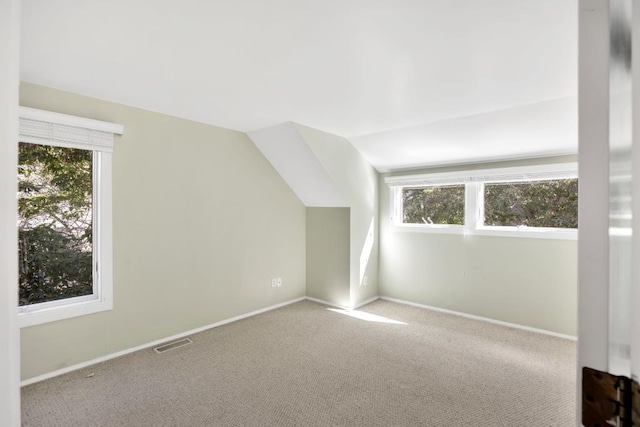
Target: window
(433, 205)
(55, 223)
(536, 201)
(64, 216)
(551, 203)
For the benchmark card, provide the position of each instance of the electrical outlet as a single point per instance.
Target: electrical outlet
(274, 283)
(366, 280)
(279, 281)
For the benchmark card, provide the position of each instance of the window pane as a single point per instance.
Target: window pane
(433, 205)
(552, 203)
(55, 188)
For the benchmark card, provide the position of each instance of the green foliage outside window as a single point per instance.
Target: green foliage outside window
(433, 205)
(55, 186)
(552, 203)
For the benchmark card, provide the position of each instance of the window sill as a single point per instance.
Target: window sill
(431, 228)
(528, 232)
(519, 232)
(69, 310)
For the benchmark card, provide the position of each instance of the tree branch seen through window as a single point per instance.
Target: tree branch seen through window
(549, 203)
(433, 205)
(55, 187)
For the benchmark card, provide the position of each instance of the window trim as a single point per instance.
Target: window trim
(442, 228)
(88, 129)
(474, 181)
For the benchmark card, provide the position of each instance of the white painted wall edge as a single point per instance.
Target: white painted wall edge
(10, 11)
(154, 343)
(482, 319)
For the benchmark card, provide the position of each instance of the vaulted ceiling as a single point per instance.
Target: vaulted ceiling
(409, 82)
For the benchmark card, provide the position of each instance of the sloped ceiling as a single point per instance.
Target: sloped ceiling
(290, 155)
(534, 130)
(381, 73)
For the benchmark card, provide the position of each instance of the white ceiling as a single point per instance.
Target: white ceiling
(380, 72)
(534, 130)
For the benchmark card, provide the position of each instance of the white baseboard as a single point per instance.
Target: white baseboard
(323, 302)
(343, 307)
(153, 343)
(273, 307)
(363, 303)
(483, 319)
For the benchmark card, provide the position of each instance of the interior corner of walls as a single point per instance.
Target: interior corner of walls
(237, 251)
(327, 258)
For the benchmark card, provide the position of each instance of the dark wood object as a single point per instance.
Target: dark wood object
(609, 400)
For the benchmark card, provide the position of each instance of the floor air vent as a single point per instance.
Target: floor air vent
(172, 345)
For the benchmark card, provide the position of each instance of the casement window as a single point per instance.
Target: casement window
(533, 201)
(64, 216)
(433, 205)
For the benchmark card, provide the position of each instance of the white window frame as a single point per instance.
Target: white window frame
(48, 128)
(474, 181)
(398, 213)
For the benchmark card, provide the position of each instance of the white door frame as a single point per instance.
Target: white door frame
(593, 162)
(635, 238)
(9, 331)
(593, 157)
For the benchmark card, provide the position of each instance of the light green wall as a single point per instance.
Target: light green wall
(328, 246)
(358, 182)
(531, 282)
(202, 222)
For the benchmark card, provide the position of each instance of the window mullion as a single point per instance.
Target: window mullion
(97, 171)
(471, 205)
(480, 205)
(400, 205)
(396, 205)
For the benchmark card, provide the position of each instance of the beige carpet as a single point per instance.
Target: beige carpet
(304, 365)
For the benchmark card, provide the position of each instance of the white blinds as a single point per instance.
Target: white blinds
(524, 173)
(48, 128)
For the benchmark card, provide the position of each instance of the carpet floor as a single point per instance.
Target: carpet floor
(308, 365)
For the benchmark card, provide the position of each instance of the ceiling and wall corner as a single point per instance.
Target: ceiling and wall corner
(291, 157)
(542, 129)
(410, 83)
(358, 181)
(326, 171)
(428, 81)
(200, 229)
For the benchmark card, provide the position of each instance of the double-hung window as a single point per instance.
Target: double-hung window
(64, 216)
(533, 201)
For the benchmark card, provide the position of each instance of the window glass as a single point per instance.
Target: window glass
(433, 205)
(55, 223)
(548, 203)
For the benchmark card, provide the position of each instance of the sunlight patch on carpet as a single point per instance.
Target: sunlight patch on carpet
(362, 315)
